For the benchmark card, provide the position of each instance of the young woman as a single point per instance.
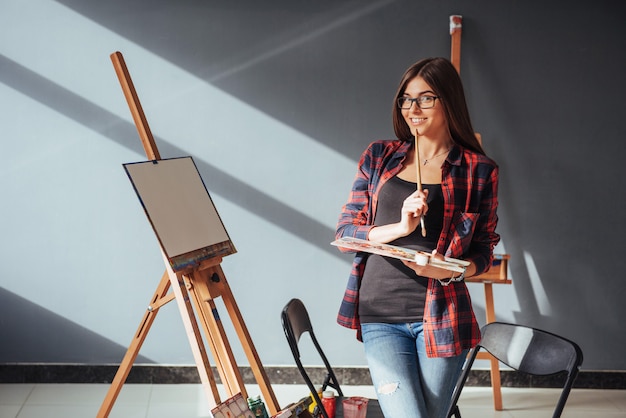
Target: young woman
(417, 322)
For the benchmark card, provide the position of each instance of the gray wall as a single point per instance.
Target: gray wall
(275, 101)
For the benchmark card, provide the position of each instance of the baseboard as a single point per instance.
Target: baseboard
(160, 374)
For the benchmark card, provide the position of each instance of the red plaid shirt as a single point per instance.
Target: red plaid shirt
(470, 191)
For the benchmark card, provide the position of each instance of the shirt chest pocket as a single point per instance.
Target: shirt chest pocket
(461, 233)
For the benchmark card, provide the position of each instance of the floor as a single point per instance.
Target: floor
(188, 401)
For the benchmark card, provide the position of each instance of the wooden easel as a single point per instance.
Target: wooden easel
(498, 272)
(194, 288)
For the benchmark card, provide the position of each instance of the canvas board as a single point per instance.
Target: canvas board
(180, 210)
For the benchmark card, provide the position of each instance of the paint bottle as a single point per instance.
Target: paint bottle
(328, 402)
(313, 402)
(257, 407)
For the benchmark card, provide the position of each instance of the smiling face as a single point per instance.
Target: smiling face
(431, 122)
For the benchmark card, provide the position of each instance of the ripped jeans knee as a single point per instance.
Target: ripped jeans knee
(387, 388)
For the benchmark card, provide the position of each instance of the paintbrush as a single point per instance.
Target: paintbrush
(419, 177)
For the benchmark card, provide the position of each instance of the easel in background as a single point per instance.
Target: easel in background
(202, 282)
(498, 272)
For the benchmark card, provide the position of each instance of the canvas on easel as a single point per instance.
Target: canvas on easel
(180, 210)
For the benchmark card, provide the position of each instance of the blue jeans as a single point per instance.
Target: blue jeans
(407, 382)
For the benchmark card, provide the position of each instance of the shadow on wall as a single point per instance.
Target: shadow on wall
(32, 334)
(124, 133)
(275, 57)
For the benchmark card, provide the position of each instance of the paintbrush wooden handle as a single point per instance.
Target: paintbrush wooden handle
(419, 178)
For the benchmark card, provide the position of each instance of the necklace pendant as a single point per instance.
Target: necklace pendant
(425, 162)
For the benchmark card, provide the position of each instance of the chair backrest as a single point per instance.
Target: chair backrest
(528, 350)
(296, 321)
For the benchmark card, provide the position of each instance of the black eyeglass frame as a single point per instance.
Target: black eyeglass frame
(401, 101)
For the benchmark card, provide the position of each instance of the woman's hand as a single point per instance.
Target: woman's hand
(413, 207)
(429, 270)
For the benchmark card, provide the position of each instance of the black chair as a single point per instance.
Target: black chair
(296, 322)
(527, 350)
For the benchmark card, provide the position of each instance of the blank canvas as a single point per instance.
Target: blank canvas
(179, 207)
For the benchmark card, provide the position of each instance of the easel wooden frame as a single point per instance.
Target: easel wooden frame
(498, 273)
(195, 288)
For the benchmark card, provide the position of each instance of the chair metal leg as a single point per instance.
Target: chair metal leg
(456, 412)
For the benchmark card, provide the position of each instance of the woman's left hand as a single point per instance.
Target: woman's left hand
(429, 270)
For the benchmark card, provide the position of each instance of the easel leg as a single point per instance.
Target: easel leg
(456, 27)
(222, 288)
(195, 337)
(495, 365)
(133, 349)
(216, 335)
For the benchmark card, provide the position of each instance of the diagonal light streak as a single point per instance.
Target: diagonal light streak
(297, 39)
(268, 155)
(543, 303)
(124, 133)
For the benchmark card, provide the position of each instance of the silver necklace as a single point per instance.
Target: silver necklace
(426, 160)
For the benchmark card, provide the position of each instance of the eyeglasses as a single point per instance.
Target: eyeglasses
(423, 102)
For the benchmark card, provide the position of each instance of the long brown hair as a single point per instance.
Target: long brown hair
(442, 77)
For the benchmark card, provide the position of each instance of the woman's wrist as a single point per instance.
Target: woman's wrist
(455, 277)
(460, 276)
(386, 233)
